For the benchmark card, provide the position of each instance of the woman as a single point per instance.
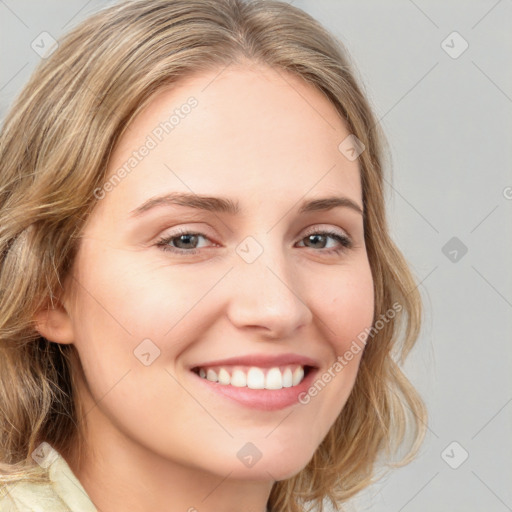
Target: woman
(201, 308)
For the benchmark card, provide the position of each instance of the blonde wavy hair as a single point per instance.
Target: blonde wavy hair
(55, 145)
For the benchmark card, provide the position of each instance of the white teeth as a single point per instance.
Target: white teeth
(298, 375)
(254, 377)
(287, 378)
(224, 377)
(239, 379)
(274, 379)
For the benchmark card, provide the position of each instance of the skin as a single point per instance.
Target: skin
(156, 439)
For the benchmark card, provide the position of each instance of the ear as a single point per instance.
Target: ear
(54, 323)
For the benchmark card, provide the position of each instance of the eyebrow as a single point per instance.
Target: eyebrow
(226, 205)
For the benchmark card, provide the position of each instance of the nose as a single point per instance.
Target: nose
(266, 296)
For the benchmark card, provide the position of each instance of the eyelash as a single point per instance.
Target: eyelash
(345, 241)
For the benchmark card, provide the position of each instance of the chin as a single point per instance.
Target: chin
(271, 467)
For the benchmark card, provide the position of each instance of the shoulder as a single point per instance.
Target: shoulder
(63, 493)
(31, 497)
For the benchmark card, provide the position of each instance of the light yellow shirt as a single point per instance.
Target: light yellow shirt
(64, 494)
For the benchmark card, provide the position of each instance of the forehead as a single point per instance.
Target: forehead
(254, 133)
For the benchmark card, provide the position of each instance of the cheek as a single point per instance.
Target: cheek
(346, 306)
(135, 294)
(123, 301)
(344, 302)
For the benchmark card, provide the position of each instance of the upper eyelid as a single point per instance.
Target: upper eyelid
(313, 228)
(307, 232)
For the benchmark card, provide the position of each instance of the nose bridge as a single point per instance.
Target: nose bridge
(264, 292)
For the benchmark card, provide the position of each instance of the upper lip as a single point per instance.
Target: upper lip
(261, 360)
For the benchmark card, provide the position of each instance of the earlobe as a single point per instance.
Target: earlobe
(54, 324)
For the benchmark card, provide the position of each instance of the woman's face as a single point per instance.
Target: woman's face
(163, 290)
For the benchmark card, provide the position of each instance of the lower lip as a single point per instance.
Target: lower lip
(262, 399)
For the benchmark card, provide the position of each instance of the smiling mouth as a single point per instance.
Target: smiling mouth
(254, 377)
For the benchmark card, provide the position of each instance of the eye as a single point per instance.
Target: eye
(186, 239)
(319, 236)
(185, 242)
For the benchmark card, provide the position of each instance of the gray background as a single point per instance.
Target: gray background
(449, 124)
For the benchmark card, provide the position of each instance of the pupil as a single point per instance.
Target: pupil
(186, 237)
(315, 237)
